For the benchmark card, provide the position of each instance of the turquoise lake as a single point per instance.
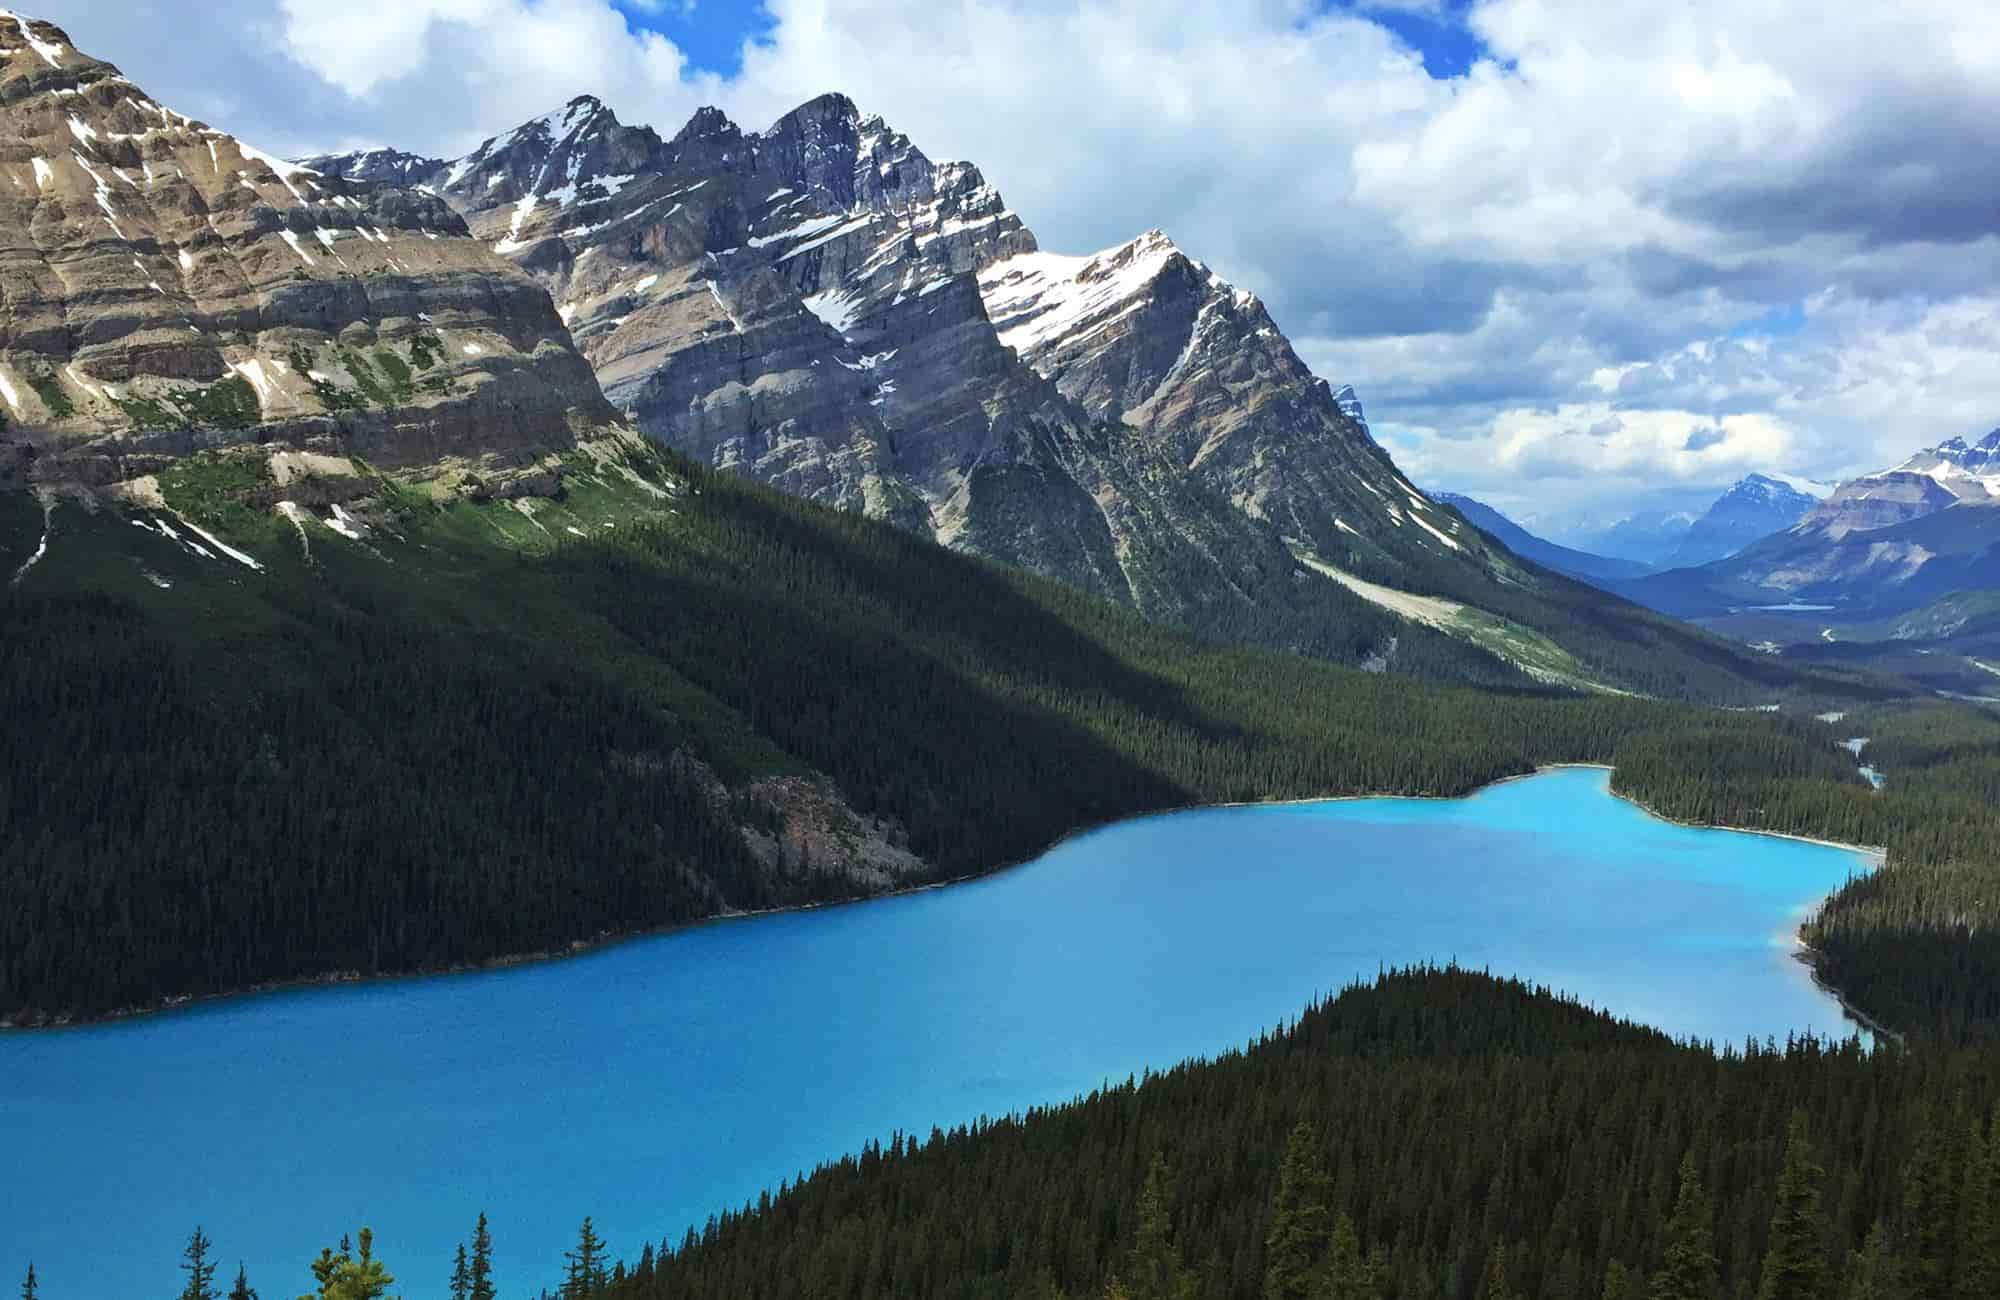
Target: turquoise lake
(654, 1082)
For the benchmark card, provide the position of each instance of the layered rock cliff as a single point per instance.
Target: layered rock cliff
(168, 287)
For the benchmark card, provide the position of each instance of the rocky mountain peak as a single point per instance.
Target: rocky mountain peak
(708, 123)
(183, 288)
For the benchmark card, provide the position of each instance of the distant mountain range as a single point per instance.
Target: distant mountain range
(1878, 545)
(1581, 565)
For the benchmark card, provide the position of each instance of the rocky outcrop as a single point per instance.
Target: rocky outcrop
(168, 287)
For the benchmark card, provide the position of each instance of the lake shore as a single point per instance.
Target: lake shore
(611, 939)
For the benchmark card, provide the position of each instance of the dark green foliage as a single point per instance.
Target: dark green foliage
(1295, 1248)
(31, 1288)
(226, 404)
(348, 1274)
(1154, 1271)
(1484, 1139)
(1688, 1272)
(426, 350)
(1795, 1253)
(241, 1289)
(397, 372)
(53, 395)
(1871, 1270)
(365, 378)
(480, 1279)
(588, 1271)
(200, 1271)
(461, 1276)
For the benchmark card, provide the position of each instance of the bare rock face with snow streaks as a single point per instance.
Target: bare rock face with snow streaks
(169, 287)
(824, 307)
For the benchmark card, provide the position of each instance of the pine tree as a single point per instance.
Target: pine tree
(1495, 1285)
(586, 1275)
(461, 1276)
(241, 1289)
(1301, 1221)
(1620, 1283)
(1349, 1274)
(1689, 1271)
(1154, 1271)
(201, 1273)
(1979, 1207)
(30, 1288)
(1871, 1271)
(1795, 1255)
(349, 1276)
(482, 1262)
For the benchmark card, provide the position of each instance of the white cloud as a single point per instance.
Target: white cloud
(1500, 262)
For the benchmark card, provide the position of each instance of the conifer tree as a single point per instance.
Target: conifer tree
(586, 1275)
(1620, 1283)
(1979, 1208)
(1795, 1254)
(482, 1262)
(347, 1275)
(1154, 1270)
(241, 1288)
(461, 1276)
(1689, 1271)
(1301, 1221)
(1349, 1274)
(201, 1273)
(1871, 1271)
(30, 1288)
(1495, 1287)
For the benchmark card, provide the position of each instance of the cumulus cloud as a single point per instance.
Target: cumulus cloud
(1538, 274)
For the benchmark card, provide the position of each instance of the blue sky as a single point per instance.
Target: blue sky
(710, 32)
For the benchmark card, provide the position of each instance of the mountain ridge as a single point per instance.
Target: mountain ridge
(822, 307)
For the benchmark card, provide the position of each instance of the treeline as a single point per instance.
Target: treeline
(1437, 1135)
(1916, 946)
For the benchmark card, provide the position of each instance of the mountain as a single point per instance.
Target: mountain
(1876, 546)
(824, 308)
(1580, 565)
(170, 287)
(1650, 537)
(1932, 480)
(1757, 506)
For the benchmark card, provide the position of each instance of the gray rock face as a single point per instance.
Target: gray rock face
(168, 287)
(1753, 509)
(1932, 480)
(824, 307)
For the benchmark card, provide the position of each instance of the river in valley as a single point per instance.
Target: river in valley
(651, 1083)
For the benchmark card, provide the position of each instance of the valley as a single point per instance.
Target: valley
(704, 677)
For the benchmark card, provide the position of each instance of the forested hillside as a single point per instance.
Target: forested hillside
(442, 731)
(1913, 945)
